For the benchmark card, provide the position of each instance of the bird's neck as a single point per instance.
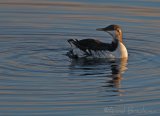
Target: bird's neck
(122, 48)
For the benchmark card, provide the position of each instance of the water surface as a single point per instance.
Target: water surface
(37, 78)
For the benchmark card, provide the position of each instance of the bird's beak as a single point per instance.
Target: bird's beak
(105, 29)
(100, 29)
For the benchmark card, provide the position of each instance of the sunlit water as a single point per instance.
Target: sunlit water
(37, 78)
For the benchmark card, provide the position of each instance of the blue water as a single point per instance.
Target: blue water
(37, 78)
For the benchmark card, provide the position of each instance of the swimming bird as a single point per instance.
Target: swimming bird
(88, 46)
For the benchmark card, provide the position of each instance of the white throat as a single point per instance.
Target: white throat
(123, 50)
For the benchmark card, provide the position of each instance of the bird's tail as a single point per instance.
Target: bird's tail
(72, 42)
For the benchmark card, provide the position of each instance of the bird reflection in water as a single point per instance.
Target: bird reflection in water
(116, 66)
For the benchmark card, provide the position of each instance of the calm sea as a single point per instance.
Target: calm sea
(38, 79)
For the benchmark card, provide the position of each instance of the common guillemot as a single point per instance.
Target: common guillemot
(89, 47)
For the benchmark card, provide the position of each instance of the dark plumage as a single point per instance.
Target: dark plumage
(88, 45)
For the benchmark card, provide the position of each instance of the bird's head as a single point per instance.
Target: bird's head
(114, 30)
